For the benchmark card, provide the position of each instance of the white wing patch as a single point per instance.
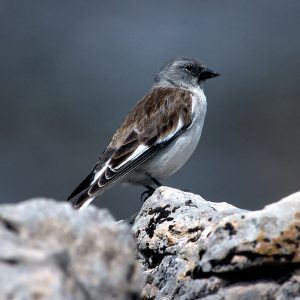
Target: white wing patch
(142, 148)
(137, 152)
(86, 203)
(99, 173)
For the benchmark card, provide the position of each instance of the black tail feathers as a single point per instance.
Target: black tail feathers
(79, 200)
(75, 197)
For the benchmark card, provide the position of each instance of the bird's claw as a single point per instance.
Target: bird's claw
(146, 194)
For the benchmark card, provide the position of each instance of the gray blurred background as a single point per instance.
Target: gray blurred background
(71, 70)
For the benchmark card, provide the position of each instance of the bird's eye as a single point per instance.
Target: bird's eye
(190, 68)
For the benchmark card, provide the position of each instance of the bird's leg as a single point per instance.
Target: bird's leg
(150, 190)
(148, 193)
(156, 181)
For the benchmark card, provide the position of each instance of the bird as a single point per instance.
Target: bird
(158, 135)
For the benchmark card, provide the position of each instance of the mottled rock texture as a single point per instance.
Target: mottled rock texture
(195, 249)
(50, 251)
(188, 248)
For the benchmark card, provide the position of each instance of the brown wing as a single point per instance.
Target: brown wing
(155, 115)
(152, 122)
(155, 120)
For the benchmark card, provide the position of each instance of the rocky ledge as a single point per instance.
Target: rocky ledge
(185, 248)
(190, 248)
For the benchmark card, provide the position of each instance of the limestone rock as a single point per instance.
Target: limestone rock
(50, 251)
(195, 249)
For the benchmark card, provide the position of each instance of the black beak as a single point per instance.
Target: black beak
(207, 73)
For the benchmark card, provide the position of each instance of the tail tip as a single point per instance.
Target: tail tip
(82, 202)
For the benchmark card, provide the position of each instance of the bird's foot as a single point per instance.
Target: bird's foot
(156, 181)
(148, 193)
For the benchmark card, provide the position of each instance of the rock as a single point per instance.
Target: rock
(190, 248)
(50, 251)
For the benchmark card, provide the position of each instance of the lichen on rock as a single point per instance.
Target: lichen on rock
(195, 249)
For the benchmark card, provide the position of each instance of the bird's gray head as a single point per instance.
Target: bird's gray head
(183, 72)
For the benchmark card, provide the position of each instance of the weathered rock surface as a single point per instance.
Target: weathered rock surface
(188, 248)
(50, 251)
(195, 249)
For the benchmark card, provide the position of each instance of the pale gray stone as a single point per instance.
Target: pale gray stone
(48, 250)
(195, 249)
(187, 247)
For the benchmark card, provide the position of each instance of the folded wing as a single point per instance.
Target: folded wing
(153, 123)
